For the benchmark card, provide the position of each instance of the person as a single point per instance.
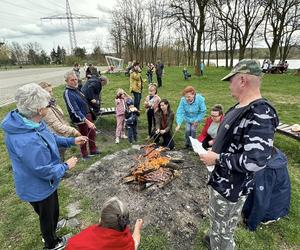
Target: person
(136, 84)
(243, 146)
(191, 109)
(120, 102)
(88, 71)
(159, 70)
(76, 70)
(33, 151)
(54, 118)
(270, 199)
(186, 74)
(210, 129)
(164, 118)
(149, 74)
(128, 69)
(202, 68)
(131, 118)
(80, 114)
(112, 232)
(92, 90)
(151, 104)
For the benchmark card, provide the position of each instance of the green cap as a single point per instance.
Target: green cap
(245, 66)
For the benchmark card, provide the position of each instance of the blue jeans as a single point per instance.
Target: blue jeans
(132, 133)
(190, 130)
(137, 99)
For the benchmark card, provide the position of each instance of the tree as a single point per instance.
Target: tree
(282, 20)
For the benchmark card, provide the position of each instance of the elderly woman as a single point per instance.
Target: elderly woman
(191, 109)
(164, 118)
(112, 233)
(80, 114)
(210, 129)
(55, 120)
(33, 150)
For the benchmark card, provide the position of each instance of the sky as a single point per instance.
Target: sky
(20, 22)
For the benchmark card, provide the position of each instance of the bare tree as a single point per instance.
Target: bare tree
(281, 21)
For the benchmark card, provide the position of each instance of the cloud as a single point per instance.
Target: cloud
(51, 28)
(104, 9)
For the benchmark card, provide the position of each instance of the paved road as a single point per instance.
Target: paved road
(12, 79)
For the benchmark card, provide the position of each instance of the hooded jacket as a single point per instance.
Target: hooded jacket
(191, 112)
(35, 158)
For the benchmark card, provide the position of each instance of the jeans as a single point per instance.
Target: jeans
(190, 130)
(132, 133)
(159, 80)
(167, 139)
(137, 99)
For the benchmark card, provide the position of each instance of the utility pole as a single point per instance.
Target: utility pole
(70, 17)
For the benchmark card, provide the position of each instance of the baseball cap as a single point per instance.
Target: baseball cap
(245, 66)
(129, 102)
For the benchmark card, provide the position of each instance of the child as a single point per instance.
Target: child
(131, 117)
(120, 102)
(151, 105)
(149, 73)
(186, 74)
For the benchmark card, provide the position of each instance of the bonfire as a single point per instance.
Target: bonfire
(151, 167)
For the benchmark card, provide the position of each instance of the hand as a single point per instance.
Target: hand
(211, 142)
(72, 162)
(162, 131)
(195, 124)
(90, 124)
(157, 131)
(93, 101)
(209, 158)
(177, 128)
(138, 224)
(81, 140)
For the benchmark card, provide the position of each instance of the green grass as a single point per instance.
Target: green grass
(19, 226)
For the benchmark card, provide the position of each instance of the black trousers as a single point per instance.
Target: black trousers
(48, 212)
(167, 140)
(205, 144)
(159, 81)
(151, 120)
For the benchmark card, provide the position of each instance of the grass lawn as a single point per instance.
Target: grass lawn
(19, 226)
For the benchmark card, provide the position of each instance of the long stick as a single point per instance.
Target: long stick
(171, 139)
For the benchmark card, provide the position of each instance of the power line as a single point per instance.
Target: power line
(19, 6)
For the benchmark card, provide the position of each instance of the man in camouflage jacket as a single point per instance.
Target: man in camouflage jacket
(243, 146)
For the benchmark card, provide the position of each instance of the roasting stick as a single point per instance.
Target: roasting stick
(171, 139)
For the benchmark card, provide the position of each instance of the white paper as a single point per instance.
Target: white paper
(197, 147)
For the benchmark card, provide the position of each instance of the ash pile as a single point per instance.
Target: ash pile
(170, 195)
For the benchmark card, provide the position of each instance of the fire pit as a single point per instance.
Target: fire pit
(152, 167)
(177, 209)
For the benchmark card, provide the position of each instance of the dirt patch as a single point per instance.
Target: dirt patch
(177, 209)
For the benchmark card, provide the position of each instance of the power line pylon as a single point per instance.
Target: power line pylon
(70, 17)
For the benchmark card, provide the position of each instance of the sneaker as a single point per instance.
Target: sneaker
(270, 221)
(59, 245)
(85, 158)
(117, 140)
(97, 152)
(206, 241)
(124, 137)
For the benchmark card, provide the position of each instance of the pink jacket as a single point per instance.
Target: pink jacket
(120, 106)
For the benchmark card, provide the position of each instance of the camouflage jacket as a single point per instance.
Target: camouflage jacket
(246, 148)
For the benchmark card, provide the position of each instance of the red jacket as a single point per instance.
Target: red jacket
(96, 237)
(203, 134)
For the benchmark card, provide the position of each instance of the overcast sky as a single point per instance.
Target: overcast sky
(20, 21)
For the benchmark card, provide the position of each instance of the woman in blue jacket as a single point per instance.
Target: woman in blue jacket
(33, 151)
(191, 109)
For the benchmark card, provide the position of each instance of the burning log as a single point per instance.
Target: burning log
(152, 167)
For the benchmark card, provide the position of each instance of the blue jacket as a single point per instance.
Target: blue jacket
(35, 158)
(193, 112)
(92, 88)
(76, 104)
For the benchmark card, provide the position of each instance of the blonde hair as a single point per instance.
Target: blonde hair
(45, 85)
